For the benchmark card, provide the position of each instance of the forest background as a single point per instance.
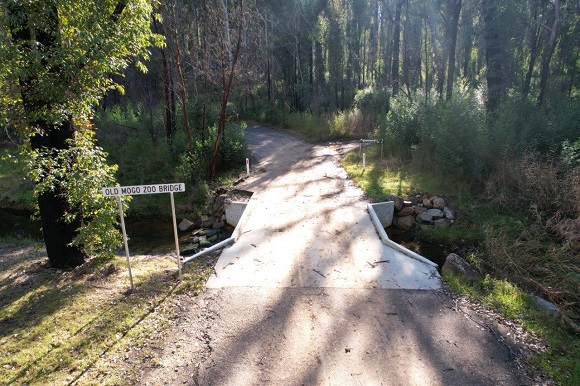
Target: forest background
(475, 99)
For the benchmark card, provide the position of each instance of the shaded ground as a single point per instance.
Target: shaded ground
(314, 333)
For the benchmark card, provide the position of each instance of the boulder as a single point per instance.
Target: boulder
(448, 213)
(457, 266)
(406, 211)
(420, 209)
(399, 203)
(185, 225)
(425, 217)
(436, 214)
(405, 223)
(427, 203)
(549, 308)
(438, 203)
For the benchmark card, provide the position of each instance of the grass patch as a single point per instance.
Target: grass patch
(83, 326)
(560, 359)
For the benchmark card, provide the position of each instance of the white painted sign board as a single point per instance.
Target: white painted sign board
(118, 191)
(143, 189)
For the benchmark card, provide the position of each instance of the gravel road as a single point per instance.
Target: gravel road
(337, 323)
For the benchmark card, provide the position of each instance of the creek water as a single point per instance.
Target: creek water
(434, 252)
(148, 236)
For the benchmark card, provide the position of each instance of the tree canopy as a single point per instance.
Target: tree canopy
(57, 61)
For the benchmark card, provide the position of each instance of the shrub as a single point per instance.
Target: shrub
(452, 138)
(399, 127)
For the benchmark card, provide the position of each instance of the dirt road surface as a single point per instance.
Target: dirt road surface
(290, 305)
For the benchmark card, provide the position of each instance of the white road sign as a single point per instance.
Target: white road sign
(143, 189)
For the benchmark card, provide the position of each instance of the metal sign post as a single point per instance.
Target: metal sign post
(118, 191)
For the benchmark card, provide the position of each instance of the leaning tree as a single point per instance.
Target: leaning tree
(57, 61)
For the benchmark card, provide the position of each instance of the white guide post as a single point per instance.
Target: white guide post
(364, 161)
(248, 166)
(175, 234)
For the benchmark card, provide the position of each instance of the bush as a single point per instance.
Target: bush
(399, 128)
(452, 139)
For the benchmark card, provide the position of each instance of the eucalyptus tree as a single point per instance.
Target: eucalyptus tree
(57, 61)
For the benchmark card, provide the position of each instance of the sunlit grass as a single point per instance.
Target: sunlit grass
(82, 326)
(560, 360)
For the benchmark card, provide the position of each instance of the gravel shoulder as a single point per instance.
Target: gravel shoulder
(320, 333)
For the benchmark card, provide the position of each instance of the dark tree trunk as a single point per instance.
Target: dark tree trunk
(455, 13)
(168, 89)
(495, 86)
(396, 48)
(52, 205)
(549, 51)
(533, 41)
(52, 137)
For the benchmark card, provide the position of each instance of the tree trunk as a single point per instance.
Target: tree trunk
(226, 95)
(396, 48)
(533, 41)
(455, 12)
(549, 51)
(177, 54)
(52, 205)
(51, 137)
(493, 49)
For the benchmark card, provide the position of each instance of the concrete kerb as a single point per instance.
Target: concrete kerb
(239, 217)
(382, 216)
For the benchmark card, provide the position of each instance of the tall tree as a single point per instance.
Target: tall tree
(493, 51)
(455, 11)
(58, 57)
(548, 52)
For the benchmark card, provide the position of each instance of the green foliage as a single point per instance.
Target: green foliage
(400, 128)
(81, 172)
(452, 138)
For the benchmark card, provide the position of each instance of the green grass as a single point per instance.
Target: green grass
(61, 327)
(560, 360)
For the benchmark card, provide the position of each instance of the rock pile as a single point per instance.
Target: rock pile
(420, 209)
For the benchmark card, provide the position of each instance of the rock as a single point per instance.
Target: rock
(399, 203)
(425, 217)
(210, 232)
(189, 250)
(205, 221)
(405, 223)
(218, 205)
(185, 224)
(436, 214)
(427, 203)
(420, 209)
(438, 203)
(549, 308)
(406, 211)
(205, 244)
(213, 238)
(448, 213)
(456, 265)
(218, 224)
